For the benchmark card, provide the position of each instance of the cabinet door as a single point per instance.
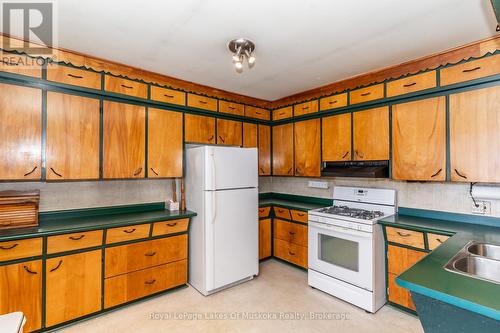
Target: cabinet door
(371, 134)
(164, 143)
(21, 290)
(419, 140)
(73, 286)
(264, 150)
(199, 129)
(264, 238)
(229, 132)
(72, 137)
(337, 138)
(20, 132)
(249, 135)
(124, 140)
(307, 148)
(475, 135)
(283, 150)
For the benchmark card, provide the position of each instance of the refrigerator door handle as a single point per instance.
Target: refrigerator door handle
(214, 197)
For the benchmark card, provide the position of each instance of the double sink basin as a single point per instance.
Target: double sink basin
(478, 260)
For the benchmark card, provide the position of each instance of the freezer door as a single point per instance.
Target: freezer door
(230, 168)
(231, 236)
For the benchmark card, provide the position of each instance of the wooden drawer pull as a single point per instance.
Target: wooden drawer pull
(150, 254)
(459, 174)
(168, 96)
(471, 70)
(129, 231)
(437, 173)
(332, 102)
(202, 102)
(345, 155)
(262, 170)
(301, 214)
(281, 211)
(150, 281)
(290, 170)
(281, 114)
(402, 234)
(76, 238)
(156, 173)
(359, 154)
(258, 112)
(305, 107)
(439, 241)
(172, 224)
(291, 253)
(366, 94)
(211, 138)
(127, 87)
(297, 171)
(9, 63)
(75, 76)
(29, 270)
(221, 139)
(231, 107)
(262, 210)
(137, 172)
(291, 233)
(8, 247)
(56, 173)
(57, 267)
(409, 84)
(29, 173)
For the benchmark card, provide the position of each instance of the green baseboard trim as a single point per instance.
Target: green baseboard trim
(99, 211)
(298, 198)
(449, 216)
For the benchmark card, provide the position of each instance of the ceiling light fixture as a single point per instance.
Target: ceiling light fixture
(242, 48)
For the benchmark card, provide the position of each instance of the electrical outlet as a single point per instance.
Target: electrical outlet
(316, 184)
(482, 208)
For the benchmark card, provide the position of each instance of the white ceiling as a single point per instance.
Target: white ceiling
(300, 44)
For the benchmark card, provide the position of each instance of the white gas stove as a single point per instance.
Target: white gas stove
(346, 246)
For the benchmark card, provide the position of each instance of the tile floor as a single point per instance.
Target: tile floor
(279, 290)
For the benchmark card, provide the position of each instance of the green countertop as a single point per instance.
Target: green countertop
(429, 278)
(291, 201)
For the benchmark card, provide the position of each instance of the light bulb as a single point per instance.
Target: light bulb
(238, 65)
(236, 57)
(251, 60)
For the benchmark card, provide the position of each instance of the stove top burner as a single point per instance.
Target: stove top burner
(357, 213)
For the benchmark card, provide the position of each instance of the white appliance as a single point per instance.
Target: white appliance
(346, 246)
(221, 187)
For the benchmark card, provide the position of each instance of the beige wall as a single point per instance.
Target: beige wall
(451, 197)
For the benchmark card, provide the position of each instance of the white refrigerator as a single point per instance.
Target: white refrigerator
(221, 187)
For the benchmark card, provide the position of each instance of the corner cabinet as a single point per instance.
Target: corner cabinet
(283, 150)
(307, 142)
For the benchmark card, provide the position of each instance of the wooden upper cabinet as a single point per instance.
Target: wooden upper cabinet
(283, 113)
(74, 76)
(371, 134)
(123, 140)
(255, 112)
(123, 86)
(419, 140)
(20, 132)
(307, 138)
(475, 135)
(333, 102)
(249, 135)
(232, 108)
(305, 108)
(471, 70)
(72, 137)
(367, 94)
(168, 95)
(202, 102)
(229, 132)
(337, 138)
(264, 150)
(20, 64)
(283, 150)
(411, 84)
(165, 149)
(199, 129)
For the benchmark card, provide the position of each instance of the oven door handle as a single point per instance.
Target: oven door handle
(342, 230)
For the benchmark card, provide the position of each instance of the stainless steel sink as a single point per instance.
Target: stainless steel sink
(477, 260)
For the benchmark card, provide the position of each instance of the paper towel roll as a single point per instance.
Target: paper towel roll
(486, 192)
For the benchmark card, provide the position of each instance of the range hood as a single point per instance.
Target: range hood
(360, 169)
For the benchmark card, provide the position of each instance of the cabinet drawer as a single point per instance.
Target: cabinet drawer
(133, 257)
(397, 294)
(290, 232)
(19, 249)
(471, 70)
(74, 241)
(305, 108)
(293, 253)
(282, 213)
(202, 102)
(406, 237)
(264, 211)
(434, 240)
(283, 113)
(128, 287)
(168, 95)
(122, 86)
(123, 234)
(19, 64)
(299, 216)
(254, 112)
(232, 108)
(170, 227)
(74, 76)
(411, 84)
(333, 102)
(367, 94)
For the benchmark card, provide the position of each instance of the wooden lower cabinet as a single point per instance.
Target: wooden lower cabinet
(397, 294)
(290, 252)
(21, 290)
(73, 286)
(265, 238)
(290, 232)
(290, 242)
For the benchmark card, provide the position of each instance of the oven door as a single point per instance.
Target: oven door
(341, 253)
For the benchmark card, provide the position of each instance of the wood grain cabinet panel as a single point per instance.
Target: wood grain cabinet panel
(299, 216)
(337, 133)
(73, 286)
(282, 213)
(255, 112)
(72, 137)
(371, 134)
(21, 290)
(305, 108)
(367, 94)
(202, 102)
(283, 113)
(265, 240)
(165, 143)
(128, 233)
(170, 96)
(307, 137)
(397, 294)
(170, 227)
(199, 129)
(419, 140)
(333, 102)
(123, 86)
(20, 64)
(283, 150)
(435, 240)
(264, 150)
(231, 108)
(405, 237)
(290, 252)
(411, 84)
(249, 135)
(74, 76)
(229, 132)
(290, 232)
(475, 135)
(124, 140)
(471, 70)
(20, 132)
(74, 241)
(19, 249)
(264, 211)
